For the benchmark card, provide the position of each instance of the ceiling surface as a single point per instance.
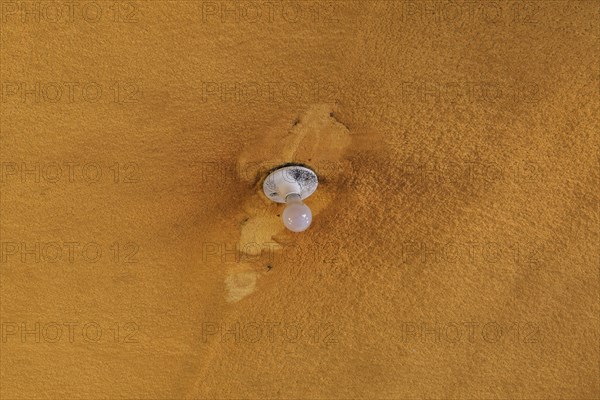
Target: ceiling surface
(454, 245)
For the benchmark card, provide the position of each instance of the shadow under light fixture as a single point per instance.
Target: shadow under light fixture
(290, 185)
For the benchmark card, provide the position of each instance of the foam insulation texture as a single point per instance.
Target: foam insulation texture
(454, 245)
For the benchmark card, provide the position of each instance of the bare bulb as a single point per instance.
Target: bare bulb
(291, 184)
(296, 215)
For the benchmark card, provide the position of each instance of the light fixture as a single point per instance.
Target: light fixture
(291, 184)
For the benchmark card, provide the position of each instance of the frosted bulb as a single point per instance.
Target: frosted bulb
(290, 184)
(296, 216)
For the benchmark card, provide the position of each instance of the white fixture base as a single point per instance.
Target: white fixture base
(291, 179)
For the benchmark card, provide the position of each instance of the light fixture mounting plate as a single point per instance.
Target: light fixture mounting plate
(290, 179)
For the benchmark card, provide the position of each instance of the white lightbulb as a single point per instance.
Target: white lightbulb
(290, 184)
(296, 215)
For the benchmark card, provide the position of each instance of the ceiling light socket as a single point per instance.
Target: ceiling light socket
(292, 184)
